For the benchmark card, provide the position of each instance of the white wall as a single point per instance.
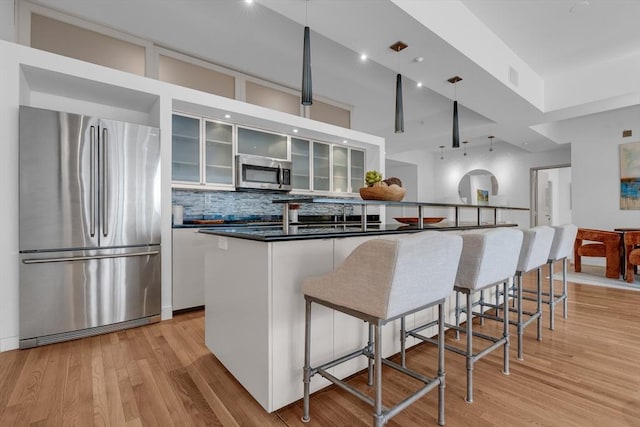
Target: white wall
(511, 167)
(7, 21)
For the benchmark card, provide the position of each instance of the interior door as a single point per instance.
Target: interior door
(129, 193)
(544, 199)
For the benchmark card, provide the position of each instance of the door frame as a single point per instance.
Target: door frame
(533, 190)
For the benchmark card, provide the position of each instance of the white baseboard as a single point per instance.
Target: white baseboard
(9, 343)
(166, 312)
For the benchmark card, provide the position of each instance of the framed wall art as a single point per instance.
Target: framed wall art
(630, 176)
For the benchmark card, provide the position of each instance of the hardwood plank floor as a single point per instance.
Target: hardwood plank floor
(585, 373)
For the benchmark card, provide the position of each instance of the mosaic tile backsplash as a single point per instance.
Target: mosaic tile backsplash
(240, 205)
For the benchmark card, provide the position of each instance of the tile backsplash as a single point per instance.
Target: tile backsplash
(232, 205)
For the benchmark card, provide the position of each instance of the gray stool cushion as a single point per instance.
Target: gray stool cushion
(536, 246)
(563, 240)
(386, 278)
(488, 257)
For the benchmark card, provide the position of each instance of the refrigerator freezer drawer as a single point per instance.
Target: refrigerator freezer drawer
(61, 292)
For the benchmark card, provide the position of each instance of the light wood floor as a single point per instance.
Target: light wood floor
(585, 373)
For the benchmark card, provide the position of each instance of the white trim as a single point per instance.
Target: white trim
(9, 343)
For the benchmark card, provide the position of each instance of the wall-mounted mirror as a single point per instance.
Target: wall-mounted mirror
(477, 186)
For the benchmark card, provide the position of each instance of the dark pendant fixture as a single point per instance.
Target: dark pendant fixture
(442, 152)
(399, 109)
(307, 92)
(491, 142)
(465, 147)
(399, 123)
(455, 142)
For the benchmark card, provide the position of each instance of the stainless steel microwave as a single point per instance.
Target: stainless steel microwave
(262, 173)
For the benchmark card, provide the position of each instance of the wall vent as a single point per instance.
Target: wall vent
(513, 76)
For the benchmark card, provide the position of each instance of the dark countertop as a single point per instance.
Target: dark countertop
(276, 221)
(276, 234)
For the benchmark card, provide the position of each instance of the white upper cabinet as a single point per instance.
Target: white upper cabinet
(262, 143)
(301, 161)
(321, 166)
(185, 148)
(356, 171)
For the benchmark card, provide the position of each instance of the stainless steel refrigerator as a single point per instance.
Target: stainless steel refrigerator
(89, 226)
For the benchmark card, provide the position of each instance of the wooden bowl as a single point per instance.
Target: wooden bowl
(391, 194)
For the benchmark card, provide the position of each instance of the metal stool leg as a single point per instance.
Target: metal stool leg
(457, 313)
(370, 361)
(307, 361)
(539, 303)
(469, 355)
(552, 302)
(518, 284)
(481, 307)
(403, 339)
(505, 287)
(441, 372)
(497, 290)
(565, 306)
(378, 419)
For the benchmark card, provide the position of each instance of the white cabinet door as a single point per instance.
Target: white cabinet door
(188, 268)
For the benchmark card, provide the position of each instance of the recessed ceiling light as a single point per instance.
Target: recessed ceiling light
(419, 84)
(363, 57)
(344, 141)
(418, 59)
(295, 131)
(248, 1)
(227, 116)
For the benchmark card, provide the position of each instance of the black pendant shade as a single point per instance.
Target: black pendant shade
(399, 109)
(307, 93)
(456, 132)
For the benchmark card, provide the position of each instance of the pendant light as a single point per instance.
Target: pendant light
(307, 92)
(455, 140)
(465, 146)
(399, 122)
(442, 152)
(491, 142)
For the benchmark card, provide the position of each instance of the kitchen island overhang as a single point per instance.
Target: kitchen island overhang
(254, 309)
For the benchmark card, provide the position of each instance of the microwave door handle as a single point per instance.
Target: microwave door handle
(280, 176)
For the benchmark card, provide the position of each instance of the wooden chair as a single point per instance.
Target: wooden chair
(632, 249)
(604, 244)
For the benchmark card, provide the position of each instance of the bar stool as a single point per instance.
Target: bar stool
(536, 246)
(380, 281)
(561, 249)
(488, 258)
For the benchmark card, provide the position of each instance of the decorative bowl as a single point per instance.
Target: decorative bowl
(391, 194)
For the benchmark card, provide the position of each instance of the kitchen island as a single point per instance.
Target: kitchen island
(254, 310)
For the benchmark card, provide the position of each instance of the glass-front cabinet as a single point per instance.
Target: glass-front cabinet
(185, 147)
(218, 153)
(340, 169)
(321, 166)
(301, 164)
(357, 171)
(262, 143)
(201, 151)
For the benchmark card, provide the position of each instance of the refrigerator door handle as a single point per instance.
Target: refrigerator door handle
(85, 258)
(92, 183)
(104, 185)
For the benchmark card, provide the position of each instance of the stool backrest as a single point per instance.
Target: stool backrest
(536, 246)
(563, 241)
(488, 257)
(424, 272)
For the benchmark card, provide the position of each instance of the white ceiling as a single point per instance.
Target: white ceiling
(572, 59)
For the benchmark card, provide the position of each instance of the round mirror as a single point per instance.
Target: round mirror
(477, 186)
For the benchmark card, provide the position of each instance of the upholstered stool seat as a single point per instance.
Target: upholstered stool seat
(488, 258)
(603, 244)
(380, 281)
